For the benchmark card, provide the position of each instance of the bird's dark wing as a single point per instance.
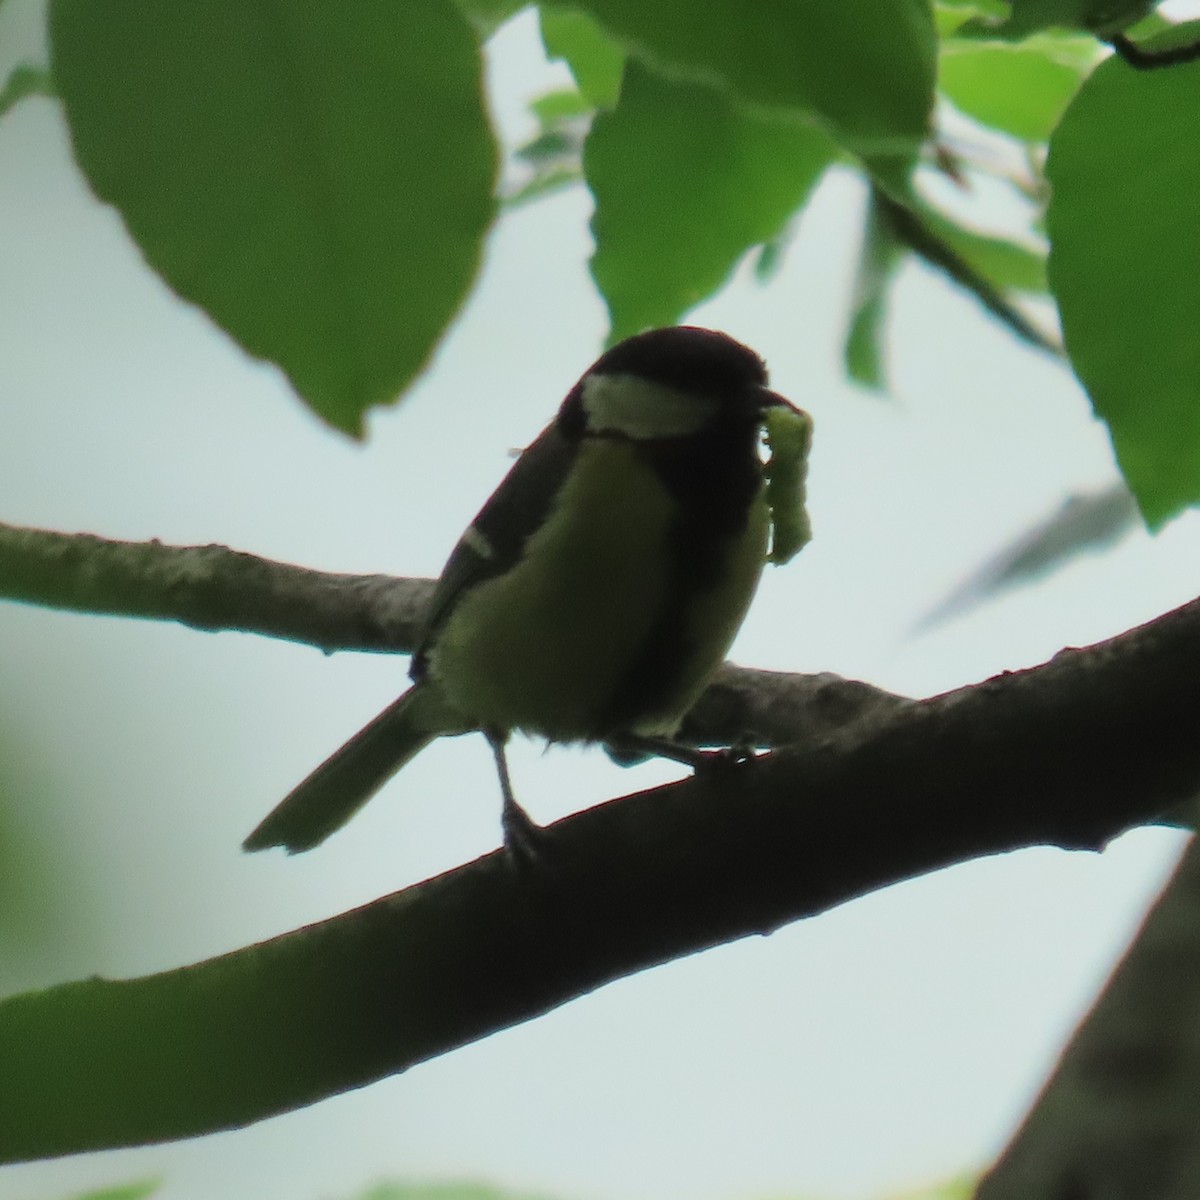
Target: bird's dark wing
(496, 539)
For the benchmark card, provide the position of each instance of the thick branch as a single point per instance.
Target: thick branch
(1119, 1117)
(1068, 754)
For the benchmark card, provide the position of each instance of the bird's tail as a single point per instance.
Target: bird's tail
(350, 776)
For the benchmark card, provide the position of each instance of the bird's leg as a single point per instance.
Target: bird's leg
(521, 833)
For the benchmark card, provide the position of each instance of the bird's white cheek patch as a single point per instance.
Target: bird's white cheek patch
(637, 408)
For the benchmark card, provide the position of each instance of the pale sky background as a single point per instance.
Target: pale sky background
(891, 1042)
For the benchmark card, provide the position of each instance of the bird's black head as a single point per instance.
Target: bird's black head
(686, 358)
(668, 383)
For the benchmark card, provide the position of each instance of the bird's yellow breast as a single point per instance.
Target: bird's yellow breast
(544, 646)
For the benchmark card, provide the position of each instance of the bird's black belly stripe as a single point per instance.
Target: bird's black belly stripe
(714, 478)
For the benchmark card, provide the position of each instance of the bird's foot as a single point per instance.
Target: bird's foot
(632, 748)
(524, 838)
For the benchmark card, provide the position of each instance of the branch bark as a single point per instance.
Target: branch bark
(210, 588)
(1069, 754)
(213, 588)
(1119, 1117)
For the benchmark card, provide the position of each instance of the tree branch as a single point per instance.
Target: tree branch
(214, 588)
(1069, 754)
(1118, 1118)
(1144, 58)
(210, 588)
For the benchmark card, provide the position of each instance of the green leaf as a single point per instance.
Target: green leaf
(1125, 267)
(769, 260)
(1005, 264)
(440, 1191)
(961, 1188)
(948, 15)
(317, 177)
(25, 80)
(1022, 90)
(985, 265)
(965, 257)
(1153, 26)
(947, 21)
(685, 183)
(488, 15)
(865, 69)
(126, 1191)
(548, 148)
(1102, 17)
(1151, 44)
(595, 59)
(544, 182)
(561, 105)
(554, 157)
(881, 255)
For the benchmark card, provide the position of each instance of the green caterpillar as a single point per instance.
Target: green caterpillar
(789, 436)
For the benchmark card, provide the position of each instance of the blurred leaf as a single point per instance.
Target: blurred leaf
(1182, 34)
(1101, 17)
(685, 183)
(317, 177)
(127, 1191)
(1123, 265)
(1079, 51)
(25, 878)
(555, 155)
(866, 70)
(947, 22)
(965, 257)
(28, 79)
(1167, 45)
(1150, 25)
(1005, 264)
(441, 1191)
(550, 146)
(985, 265)
(769, 262)
(545, 182)
(45, 905)
(881, 255)
(595, 59)
(962, 1188)
(949, 15)
(1022, 90)
(561, 105)
(1084, 524)
(488, 15)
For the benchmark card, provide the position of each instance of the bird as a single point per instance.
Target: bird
(598, 589)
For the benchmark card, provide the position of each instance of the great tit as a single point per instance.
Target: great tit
(599, 587)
